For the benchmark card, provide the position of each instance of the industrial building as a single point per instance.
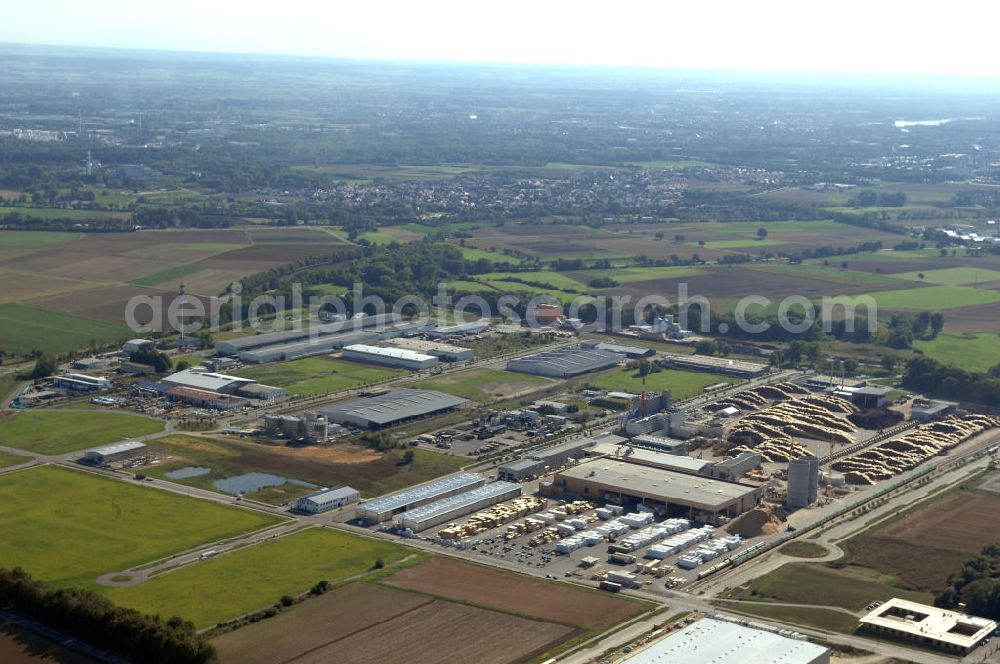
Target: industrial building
(459, 330)
(458, 505)
(734, 468)
(661, 443)
(261, 392)
(803, 481)
(116, 453)
(384, 508)
(442, 351)
(924, 625)
(205, 398)
(326, 499)
(81, 382)
(631, 352)
(923, 410)
(207, 381)
(699, 498)
(710, 641)
(565, 362)
(723, 365)
(327, 342)
(310, 427)
(240, 344)
(135, 345)
(400, 358)
(392, 408)
(652, 458)
(537, 462)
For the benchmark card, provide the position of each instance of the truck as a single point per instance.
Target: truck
(205, 555)
(621, 558)
(611, 586)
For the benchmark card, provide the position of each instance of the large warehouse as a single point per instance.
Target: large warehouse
(699, 498)
(240, 344)
(384, 508)
(539, 461)
(565, 362)
(631, 352)
(327, 499)
(458, 505)
(709, 641)
(401, 358)
(442, 351)
(117, 452)
(206, 381)
(722, 365)
(392, 408)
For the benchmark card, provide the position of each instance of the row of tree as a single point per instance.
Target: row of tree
(96, 620)
(976, 585)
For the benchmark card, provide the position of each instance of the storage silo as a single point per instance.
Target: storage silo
(803, 481)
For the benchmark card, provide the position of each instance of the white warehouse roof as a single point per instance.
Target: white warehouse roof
(203, 380)
(116, 448)
(395, 353)
(423, 492)
(711, 641)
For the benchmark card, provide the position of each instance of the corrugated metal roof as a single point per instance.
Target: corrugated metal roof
(399, 404)
(450, 503)
(423, 492)
(116, 448)
(395, 353)
(711, 641)
(203, 380)
(331, 495)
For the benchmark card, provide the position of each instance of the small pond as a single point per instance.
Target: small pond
(250, 482)
(187, 471)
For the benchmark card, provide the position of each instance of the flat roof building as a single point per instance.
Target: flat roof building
(390, 357)
(459, 330)
(538, 461)
(631, 352)
(442, 351)
(326, 499)
(81, 382)
(135, 345)
(709, 641)
(928, 625)
(652, 458)
(722, 365)
(384, 508)
(458, 505)
(236, 346)
(392, 408)
(700, 498)
(565, 362)
(207, 381)
(107, 454)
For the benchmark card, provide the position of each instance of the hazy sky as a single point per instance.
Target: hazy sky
(911, 36)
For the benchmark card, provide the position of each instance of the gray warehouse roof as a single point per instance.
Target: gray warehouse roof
(565, 361)
(397, 405)
(423, 492)
(326, 496)
(117, 448)
(665, 485)
(717, 642)
(286, 336)
(204, 380)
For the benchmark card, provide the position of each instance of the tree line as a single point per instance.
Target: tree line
(96, 620)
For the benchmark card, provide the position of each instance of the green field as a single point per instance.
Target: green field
(8, 460)
(368, 472)
(536, 291)
(24, 329)
(627, 275)
(934, 298)
(310, 376)
(834, 274)
(812, 583)
(55, 432)
(257, 576)
(554, 280)
(971, 351)
(804, 549)
(952, 276)
(672, 165)
(216, 247)
(473, 254)
(832, 621)
(32, 240)
(170, 274)
(741, 244)
(70, 526)
(682, 384)
(462, 286)
(483, 384)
